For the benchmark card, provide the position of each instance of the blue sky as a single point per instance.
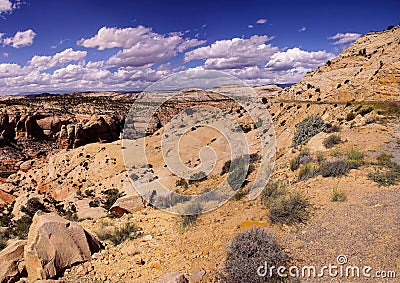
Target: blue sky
(58, 46)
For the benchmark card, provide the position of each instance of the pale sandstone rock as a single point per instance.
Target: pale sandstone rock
(10, 259)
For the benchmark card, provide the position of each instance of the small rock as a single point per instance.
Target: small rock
(138, 260)
(148, 238)
(173, 277)
(197, 276)
(156, 265)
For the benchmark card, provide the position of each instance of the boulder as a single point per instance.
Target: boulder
(11, 258)
(84, 211)
(128, 204)
(55, 244)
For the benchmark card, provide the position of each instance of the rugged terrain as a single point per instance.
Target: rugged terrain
(357, 96)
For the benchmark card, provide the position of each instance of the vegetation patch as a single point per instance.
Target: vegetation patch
(308, 128)
(285, 207)
(118, 235)
(303, 158)
(338, 195)
(331, 141)
(250, 249)
(388, 173)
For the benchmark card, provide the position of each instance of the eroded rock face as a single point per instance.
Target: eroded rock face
(55, 244)
(11, 259)
(128, 204)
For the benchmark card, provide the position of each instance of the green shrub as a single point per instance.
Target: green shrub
(33, 205)
(250, 249)
(391, 173)
(20, 228)
(271, 192)
(355, 154)
(338, 195)
(110, 197)
(170, 200)
(3, 240)
(303, 157)
(383, 178)
(239, 194)
(197, 177)
(335, 168)
(307, 171)
(181, 183)
(191, 213)
(320, 157)
(118, 235)
(365, 110)
(290, 208)
(350, 116)
(308, 128)
(331, 141)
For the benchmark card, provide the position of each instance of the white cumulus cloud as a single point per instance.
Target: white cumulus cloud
(46, 62)
(343, 38)
(140, 45)
(20, 39)
(261, 21)
(5, 6)
(234, 53)
(295, 58)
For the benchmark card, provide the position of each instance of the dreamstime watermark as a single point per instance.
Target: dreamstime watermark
(180, 104)
(340, 269)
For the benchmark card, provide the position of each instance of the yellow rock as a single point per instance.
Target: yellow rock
(252, 223)
(155, 265)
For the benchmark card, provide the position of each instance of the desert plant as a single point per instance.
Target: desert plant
(237, 177)
(250, 249)
(383, 178)
(307, 171)
(191, 213)
(197, 177)
(350, 116)
(117, 234)
(331, 141)
(170, 199)
(20, 227)
(303, 157)
(110, 197)
(338, 195)
(365, 110)
(3, 240)
(355, 154)
(272, 191)
(332, 129)
(181, 183)
(334, 168)
(320, 157)
(308, 128)
(33, 205)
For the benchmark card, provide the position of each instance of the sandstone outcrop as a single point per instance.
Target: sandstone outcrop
(55, 244)
(11, 259)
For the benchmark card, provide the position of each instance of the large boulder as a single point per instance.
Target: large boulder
(11, 259)
(128, 204)
(55, 244)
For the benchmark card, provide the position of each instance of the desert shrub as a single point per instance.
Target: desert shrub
(89, 193)
(388, 176)
(271, 192)
(332, 129)
(365, 110)
(169, 200)
(331, 141)
(71, 216)
(307, 171)
(197, 177)
(320, 157)
(237, 177)
(355, 154)
(247, 158)
(33, 205)
(308, 128)
(338, 195)
(334, 168)
(110, 197)
(181, 183)
(191, 213)
(303, 157)
(350, 116)
(250, 249)
(209, 195)
(20, 228)
(118, 235)
(3, 240)
(383, 178)
(239, 194)
(290, 208)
